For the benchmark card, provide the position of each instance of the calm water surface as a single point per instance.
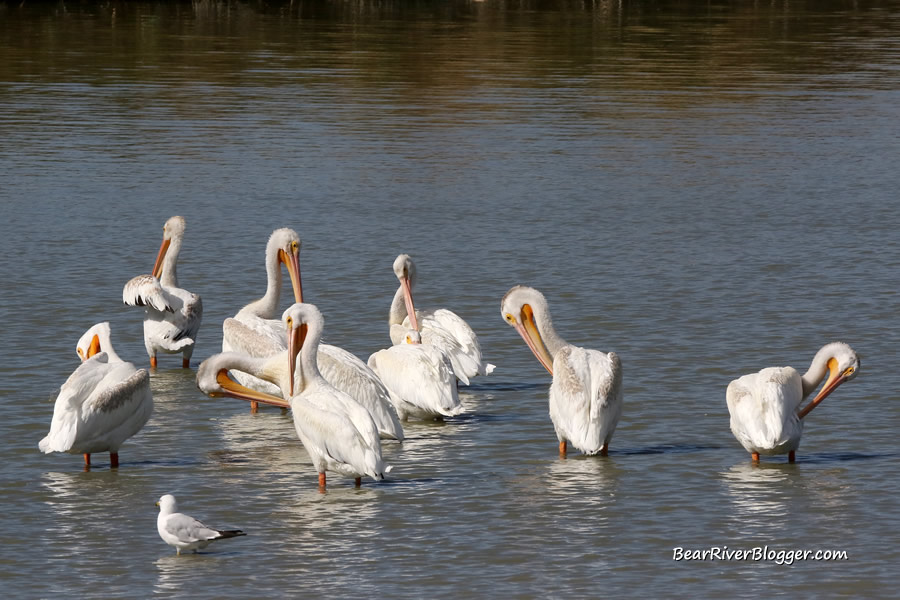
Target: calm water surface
(705, 188)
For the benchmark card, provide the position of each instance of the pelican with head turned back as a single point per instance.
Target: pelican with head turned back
(173, 315)
(337, 432)
(418, 376)
(766, 417)
(586, 393)
(441, 328)
(103, 403)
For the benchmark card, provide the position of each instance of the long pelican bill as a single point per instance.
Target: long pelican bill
(292, 262)
(834, 380)
(234, 389)
(296, 337)
(529, 332)
(157, 266)
(94, 348)
(410, 306)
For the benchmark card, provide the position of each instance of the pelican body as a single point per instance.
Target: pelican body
(766, 417)
(419, 378)
(184, 532)
(102, 404)
(338, 433)
(173, 315)
(441, 328)
(586, 392)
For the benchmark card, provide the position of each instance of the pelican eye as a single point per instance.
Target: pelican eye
(849, 371)
(290, 321)
(510, 318)
(294, 246)
(80, 352)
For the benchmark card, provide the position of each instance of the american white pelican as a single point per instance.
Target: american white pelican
(102, 404)
(441, 328)
(337, 432)
(184, 532)
(253, 332)
(586, 393)
(173, 315)
(766, 417)
(418, 376)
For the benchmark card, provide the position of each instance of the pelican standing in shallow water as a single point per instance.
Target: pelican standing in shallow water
(586, 393)
(102, 404)
(173, 315)
(419, 378)
(441, 328)
(337, 432)
(766, 417)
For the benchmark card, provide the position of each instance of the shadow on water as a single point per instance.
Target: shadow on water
(830, 457)
(504, 386)
(663, 449)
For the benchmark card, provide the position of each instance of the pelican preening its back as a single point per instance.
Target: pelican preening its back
(586, 393)
(766, 417)
(419, 377)
(173, 315)
(103, 403)
(337, 432)
(441, 328)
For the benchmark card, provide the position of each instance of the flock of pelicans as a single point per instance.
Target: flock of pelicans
(342, 407)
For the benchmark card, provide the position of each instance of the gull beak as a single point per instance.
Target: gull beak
(232, 388)
(157, 266)
(527, 328)
(410, 306)
(292, 262)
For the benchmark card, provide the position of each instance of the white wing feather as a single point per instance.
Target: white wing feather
(763, 408)
(420, 381)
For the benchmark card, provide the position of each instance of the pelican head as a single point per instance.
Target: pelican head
(517, 309)
(843, 365)
(214, 380)
(173, 229)
(405, 270)
(284, 247)
(297, 319)
(412, 337)
(92, 341)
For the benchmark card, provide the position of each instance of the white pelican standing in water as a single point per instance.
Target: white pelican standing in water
(337, 432)
(766, 417)
(586, 393)
(253, 332)
(418, 377)
(441, 328)
(173, 315)
(102, 404)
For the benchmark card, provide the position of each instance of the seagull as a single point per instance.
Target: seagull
(184, 532)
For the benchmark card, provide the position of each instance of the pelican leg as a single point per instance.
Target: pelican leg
(754, 456)
(792, 456)
(152, 362)
(87, 461)
(358, 481)
(254, 407)
(562, 449)
(185, 363)
(322, 481)
(113, 460)
(604, 451)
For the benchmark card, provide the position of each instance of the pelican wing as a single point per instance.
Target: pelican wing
(763, 409)
(145, 290)
(192, 316)
(418, 375)
(253, 336)
(67, 409)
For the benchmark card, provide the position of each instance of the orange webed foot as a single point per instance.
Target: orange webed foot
(152, 362)
(562, 449)
(113, 460)
(754, 456)
(792, 456)
(185, 363)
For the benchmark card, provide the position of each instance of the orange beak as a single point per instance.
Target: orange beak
(296, 337)
(292, 262)
(233, 389)
(529, 332)
(94, 348)
(834, 380)
(157, 266)
(410, 306)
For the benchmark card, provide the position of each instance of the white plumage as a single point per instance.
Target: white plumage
(586, 392)
(173, 315)
(766, 417)
(184, 532)
(418, 376)
(102, 404)
(441, 328)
